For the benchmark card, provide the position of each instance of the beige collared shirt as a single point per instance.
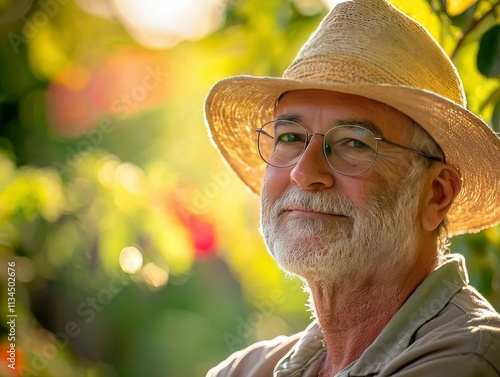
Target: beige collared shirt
(445, 328)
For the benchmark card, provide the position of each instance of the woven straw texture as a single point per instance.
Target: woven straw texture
(371, 49)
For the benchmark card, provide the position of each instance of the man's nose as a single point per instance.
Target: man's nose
(312, 171)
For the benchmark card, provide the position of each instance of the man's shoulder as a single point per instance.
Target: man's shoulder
(455, 309)
(468, 311)
(257, 360)
(474, 305)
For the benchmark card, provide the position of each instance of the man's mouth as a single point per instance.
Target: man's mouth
(310, 213)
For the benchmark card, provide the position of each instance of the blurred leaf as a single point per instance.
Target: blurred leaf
(33, 192)
(46, 55)
(7, 171)
(493, 234)
(455, 7)
(62, 242)
(495, 119)
(488, 56)
(422, 12)
(464, 19)
(478, 88)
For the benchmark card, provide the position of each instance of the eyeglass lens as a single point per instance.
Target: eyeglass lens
(349, 149)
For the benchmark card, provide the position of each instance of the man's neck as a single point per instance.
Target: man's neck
(352, 314)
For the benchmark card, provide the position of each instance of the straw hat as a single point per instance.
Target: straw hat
(371, 49)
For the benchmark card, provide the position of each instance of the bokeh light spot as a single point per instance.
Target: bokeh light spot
(106, 173)
(154, 276)
(130, 177)
(130, 260)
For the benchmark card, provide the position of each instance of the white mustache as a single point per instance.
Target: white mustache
(315, 201)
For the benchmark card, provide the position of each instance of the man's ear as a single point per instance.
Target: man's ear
(444, 186)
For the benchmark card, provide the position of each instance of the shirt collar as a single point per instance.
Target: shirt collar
(307, 356)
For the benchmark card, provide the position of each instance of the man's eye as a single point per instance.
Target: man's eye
(355, 143)
(290, 137)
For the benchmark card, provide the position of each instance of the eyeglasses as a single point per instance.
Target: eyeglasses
(349, 149)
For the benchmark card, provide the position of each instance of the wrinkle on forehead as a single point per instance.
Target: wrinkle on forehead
(379, 110)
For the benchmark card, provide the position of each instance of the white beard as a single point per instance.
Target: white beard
(328, 251)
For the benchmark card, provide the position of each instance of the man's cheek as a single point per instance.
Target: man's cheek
(276, 182)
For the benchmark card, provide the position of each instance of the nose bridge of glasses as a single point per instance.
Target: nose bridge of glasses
(306, 145)
(311, 134)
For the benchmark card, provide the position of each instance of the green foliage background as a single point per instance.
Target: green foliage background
(103, 147)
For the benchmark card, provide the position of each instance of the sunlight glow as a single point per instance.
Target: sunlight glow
(99, 8)
(163, 24)
(331, 3)
(310, 7)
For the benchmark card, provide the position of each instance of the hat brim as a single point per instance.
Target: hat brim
(237, 106)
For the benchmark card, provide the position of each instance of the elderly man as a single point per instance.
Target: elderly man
(366, 160)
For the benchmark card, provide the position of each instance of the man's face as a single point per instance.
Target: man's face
(325, 226)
